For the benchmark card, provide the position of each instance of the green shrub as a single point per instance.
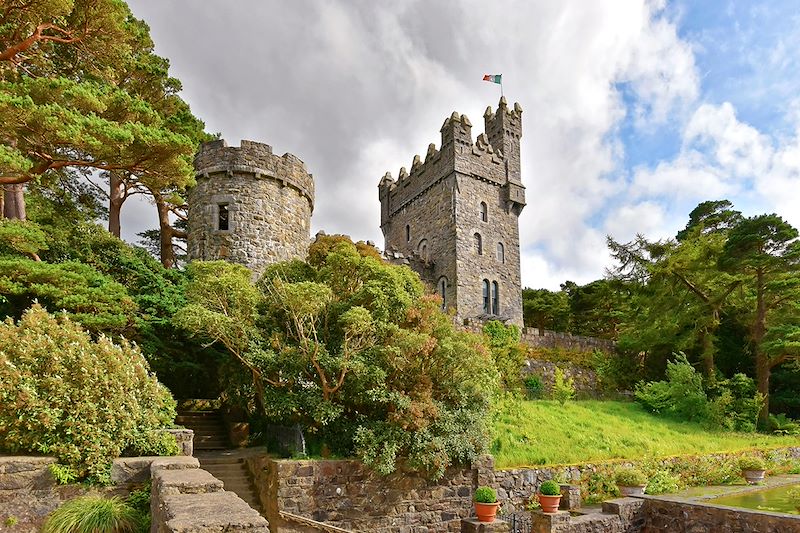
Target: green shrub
(485, 495)
(663, 482)
(533, 386)
(549, 488)
(781, 424)
(752, 463)
(156, 442)
(63, 474)
(563, 387)
(93, 514)
(681, 395)
(630, 477)
(11, 521)
(508, 354)
(66, 395)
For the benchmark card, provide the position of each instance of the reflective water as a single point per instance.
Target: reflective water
(775, 499)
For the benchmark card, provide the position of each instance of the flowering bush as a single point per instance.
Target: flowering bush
(81, 400)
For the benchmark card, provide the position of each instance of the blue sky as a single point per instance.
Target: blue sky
(635, 110)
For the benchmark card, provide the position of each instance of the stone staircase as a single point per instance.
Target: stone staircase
(209, 429)
(214, 451)
(232, 471)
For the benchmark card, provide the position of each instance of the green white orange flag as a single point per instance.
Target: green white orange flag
(494, 78)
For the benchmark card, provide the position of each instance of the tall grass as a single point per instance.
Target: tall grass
(545, 433)
(93, 514)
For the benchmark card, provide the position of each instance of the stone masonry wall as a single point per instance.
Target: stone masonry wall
(515, 486)
(349, 495)
(674, 515)
(269, 199)
(584, 379)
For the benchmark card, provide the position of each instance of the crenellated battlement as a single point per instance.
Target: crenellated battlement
(482, 158)
(254, 158)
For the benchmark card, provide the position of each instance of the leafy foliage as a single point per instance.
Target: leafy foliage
(93, 514)
(630, 477)
(549, 488)
(752, 463)
(509, 355)
(680, 396)
(352, 349)
(81, 400)
(563, 387)
(485, 495)
(533, 386)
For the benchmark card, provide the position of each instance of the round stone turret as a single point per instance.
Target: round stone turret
(249, 206)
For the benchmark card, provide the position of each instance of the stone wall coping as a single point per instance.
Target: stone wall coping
(217, 511)
(23, 463)
(705, 504)
(320, 526)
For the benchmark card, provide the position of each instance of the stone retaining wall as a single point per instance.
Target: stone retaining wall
(673, 514)
(348, 495)
(515, 486)
(585, 380)
(553, 339)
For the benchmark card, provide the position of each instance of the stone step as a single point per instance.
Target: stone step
(217, 460)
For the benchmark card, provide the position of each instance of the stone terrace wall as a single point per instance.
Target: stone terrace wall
(553, 339)
(515, 486)
(585, 379)
(671, 514)
(349, 495)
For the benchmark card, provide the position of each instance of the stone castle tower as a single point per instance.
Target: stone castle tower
(456, 215)
(249, 206)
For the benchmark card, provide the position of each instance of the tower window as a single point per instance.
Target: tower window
(495, 298)
(223, 217)
(486, 303)
(484, 212)
(443, 291)
(408, 233)
(422, 248)
(478, 243)
(501, 252)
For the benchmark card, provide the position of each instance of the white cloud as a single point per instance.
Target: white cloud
(357, 88)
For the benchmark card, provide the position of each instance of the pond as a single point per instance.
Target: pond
(775, 499)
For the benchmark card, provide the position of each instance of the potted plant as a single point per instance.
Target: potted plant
(753, 469)
(549, 496)
(630, 481)
(486, 504)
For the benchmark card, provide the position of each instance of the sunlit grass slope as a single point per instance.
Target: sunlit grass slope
(544, 432)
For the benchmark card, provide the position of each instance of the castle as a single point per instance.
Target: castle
(453, 218)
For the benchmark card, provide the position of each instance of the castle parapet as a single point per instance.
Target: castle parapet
(254, 158)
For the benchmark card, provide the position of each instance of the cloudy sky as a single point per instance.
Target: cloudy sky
(634, 110)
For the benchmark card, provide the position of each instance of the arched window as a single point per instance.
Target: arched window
(486, 302)
(501, 252)
(495, 298)
(478, 243)
(443, 291)
(422, 248)
(484, 212)
(408, 233)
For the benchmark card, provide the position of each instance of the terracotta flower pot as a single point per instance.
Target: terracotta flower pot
(635, 490)
(486, 511)
(754, 477)
(549, 503)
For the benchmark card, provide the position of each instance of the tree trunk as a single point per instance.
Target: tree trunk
(763, 371)
(116, 197)
(707, 343)
(762, 360)
(166, 231)
(14, 201)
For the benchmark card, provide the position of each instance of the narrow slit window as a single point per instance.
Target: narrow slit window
(223, 217)
(408, 233)
(443, 292)
(484, 212)
(495, 298)
(486, 302)
(478, 243)
(501, 252)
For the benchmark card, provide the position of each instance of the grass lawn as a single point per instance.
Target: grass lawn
(543, 432)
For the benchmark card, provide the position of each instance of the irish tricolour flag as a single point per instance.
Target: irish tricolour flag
(494, 78)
